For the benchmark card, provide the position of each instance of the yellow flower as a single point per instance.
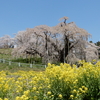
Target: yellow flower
(37, 92)
(80, 89)
(5, 99)
(60, 96)
(48, 93)
(34, 88)
(74, 91)
(83, 87)
(49, 64)
(48, 86)
(71, 96)
(52, 95)
(86, 88)
(83, 91)
(17, 98)
(24, 97)
(35, 97)
(26, 92)
(40, 87)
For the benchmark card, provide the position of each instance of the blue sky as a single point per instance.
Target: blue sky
(17, 15)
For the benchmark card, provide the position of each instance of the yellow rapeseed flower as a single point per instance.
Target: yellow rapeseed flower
(80, 89)
(26, 92)
(49, 64)
(60, 96)
(5, 98)
(35, 97)
(34, 88)
(37, 92)
(24, 97)
(49, 93)
(86, 88)
(83, 87)
(17, 98)
(71, 96)
(74, 91)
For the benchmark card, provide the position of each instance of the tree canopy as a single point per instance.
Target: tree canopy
(65, 42)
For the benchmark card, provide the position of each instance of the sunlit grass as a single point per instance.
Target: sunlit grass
(14, 68)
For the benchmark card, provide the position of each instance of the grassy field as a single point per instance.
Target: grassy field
(6, 54)
(11, 68)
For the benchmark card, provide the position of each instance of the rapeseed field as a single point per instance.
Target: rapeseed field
(64, 82)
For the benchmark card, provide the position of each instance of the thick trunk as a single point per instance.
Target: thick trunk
(65, 51)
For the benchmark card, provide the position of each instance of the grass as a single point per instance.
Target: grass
(30, 60)
(6, 53)
(15, 68)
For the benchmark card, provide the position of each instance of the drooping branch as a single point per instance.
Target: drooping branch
(58, 42)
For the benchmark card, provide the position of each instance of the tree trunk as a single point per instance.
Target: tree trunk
(65, 51)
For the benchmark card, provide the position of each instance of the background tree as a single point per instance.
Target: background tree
(6, 42)
(90, 41)
(97, 43)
